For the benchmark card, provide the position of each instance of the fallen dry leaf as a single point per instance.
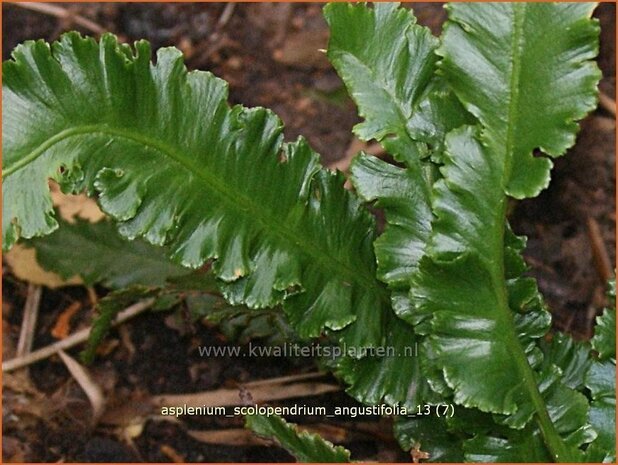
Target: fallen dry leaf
(23, 265)
(75, 206)
(356, 145)
(22, 261)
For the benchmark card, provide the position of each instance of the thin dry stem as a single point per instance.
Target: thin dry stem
(62, 13)
(73, 340)
(599, 251)
(28, 326)
(607, 103)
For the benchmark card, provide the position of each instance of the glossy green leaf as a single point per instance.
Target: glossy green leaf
(206, 180)
(525, 70)
(387, 62)
(429, 434)
(98, 254)
(477, 323)
(239, 323)
(306, 447)
(571, 357)
(391, 79)
(521, 446)
(604, 340)
(401, 194)
(387, 77)
(562, 374)
(568, 412)
(107, 308)
(482, 440)
(392, 375)
(601, 380)
(462, 290)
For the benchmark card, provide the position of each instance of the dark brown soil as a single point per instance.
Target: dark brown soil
(269, 53)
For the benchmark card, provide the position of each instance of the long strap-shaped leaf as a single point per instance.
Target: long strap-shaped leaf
(566, 406)
(172, 162)
(387, 63)
(523, 69)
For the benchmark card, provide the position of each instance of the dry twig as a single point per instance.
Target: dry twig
(599, 251)
(261, 391)
(62, 13)
(607, 103)
(287, 379)
(214, 38)
(245, 437)
(73, 340)
(28, 326)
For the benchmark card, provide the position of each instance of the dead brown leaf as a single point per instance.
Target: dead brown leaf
(23, 265)
(356, 146)
(303, 49)
(22, 261)
(75, 206)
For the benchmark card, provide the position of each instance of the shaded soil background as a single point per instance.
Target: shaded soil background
(269, 53)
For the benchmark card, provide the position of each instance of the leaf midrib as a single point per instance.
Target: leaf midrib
(226, 195)
(552, 438)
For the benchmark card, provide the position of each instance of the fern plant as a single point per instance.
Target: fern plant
(464, 116)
